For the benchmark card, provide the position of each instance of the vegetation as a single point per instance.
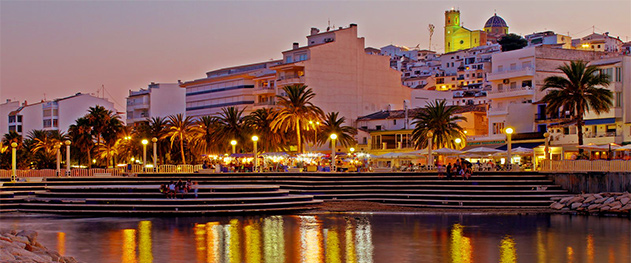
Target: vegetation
(296, 111)
(334, 124)
(578, 92)
(512, 42)
(439, 119)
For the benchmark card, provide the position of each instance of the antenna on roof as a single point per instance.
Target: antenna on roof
(431, 28)
(328, 25)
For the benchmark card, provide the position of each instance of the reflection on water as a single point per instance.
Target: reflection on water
(337, 238)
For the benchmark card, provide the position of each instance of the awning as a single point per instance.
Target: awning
(469, 147)
(528, 145)
(600, 121)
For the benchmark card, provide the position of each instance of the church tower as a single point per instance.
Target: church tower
(452, 24)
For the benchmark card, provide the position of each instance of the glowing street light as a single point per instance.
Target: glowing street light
(509, 131)
(430, 157)
(67, 142)
(154, 140)
(14, 175)
(234, 145)
(144, 153)
(333, 138)
(458, 141)
(256, 153)
(58, 149)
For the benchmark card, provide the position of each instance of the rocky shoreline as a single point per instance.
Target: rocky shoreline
(22, 246)
(595, 204)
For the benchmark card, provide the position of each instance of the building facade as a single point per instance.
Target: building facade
(158, 100)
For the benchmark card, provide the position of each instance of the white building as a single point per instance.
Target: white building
(549, 38)
(158, 100)
(5, 109)
(598, 42)
(57, 114)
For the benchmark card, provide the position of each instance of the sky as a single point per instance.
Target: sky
(53, 49)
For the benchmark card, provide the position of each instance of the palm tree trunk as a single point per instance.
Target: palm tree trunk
(298, 134)
(89, 160)
(182, 149)
(579, 127)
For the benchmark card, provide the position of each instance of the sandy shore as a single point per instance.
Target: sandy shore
(350, 206)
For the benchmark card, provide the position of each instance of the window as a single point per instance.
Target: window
(12, 128)
(618, 98)
(394, 122)
(378, 127)
(618, 74)
(500, 87)
(500, 68)
(513, 66)
(12, 118)
(288, 59)
(513, 85)
(55, 123)
(526, 83)
(498, 128)
(19, 118)
(47, 123)
(19, 128)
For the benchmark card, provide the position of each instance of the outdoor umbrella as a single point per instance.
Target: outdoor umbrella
(447, 151)
(521, 151)
(483, 151)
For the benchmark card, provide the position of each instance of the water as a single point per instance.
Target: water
(335, 238)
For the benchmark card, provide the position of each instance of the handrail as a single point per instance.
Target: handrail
(585, 166)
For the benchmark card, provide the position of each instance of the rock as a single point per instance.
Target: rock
(30, 234)
(609, 200)
(556, 206)
(597, 196)
(605, 208)
(564, 200)
(600, 200)
(624, 200)
(593, 207)
(589, 199)
(574, 206)
(626, 208)
(576, 199)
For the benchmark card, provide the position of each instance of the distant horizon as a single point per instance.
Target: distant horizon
(57, 49)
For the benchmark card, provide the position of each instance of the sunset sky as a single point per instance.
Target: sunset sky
(54, 49)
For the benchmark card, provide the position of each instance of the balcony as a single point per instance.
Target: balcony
(540, 117)
(264, 90)
(290, 80)
(511, 92)
(524, 72)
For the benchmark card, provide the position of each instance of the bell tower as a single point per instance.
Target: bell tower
(452, 24)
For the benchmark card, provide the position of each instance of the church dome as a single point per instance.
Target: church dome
(495, 21)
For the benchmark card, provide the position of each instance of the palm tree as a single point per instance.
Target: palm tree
(205, 134)
(260, 121)
(22, 155)
(179, 128)
(43, 145)
(81, 136)
(111, 133)
(232, 126)
(296, 110)
(98, 117)
(577, 92)
(439, 119)
(333, 124)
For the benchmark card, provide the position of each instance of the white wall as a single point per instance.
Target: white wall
(167, 99)
(5, 109)
(75, 107)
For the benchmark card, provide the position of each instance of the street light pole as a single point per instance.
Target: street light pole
(14, 175)
(144, 154)
(333, 137)
(430, 157)
(509, 131)
(58, 148)
(67, 142)
(154, 140)
(256, 154)
(234, 145)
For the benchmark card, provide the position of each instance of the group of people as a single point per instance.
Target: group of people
(462, 168)
(180, 187)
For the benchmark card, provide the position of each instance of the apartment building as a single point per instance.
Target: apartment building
(157, 100)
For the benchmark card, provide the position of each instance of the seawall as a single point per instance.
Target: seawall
(593, 182)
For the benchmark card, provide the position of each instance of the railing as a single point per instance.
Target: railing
(585, 166)
(119, 171)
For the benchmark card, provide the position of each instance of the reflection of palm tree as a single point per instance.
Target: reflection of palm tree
(437, 118)
(577, 93)
(179, 128)
(232, 126)
(260, 121)
(80, 134)
(296, 110)
(333, 124)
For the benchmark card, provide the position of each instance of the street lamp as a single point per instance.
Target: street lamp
(144, 153)
(256, 153)
(234, 145)
(430, 157)
(154, 140)
(509, 131)
(458, 141)
(14, 175)
(333, 138)
(58, 149)
(546, 149)
(67, 142)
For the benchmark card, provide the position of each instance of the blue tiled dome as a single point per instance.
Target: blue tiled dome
(495, 21)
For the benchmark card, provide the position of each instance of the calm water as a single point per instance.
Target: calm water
(390, 238)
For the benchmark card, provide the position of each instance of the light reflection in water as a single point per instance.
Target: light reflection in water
(333, 254)
(350, 243)
(233, 242)
(590, 249)
(310, 239)
(541, 249)
(508, 253)
(61, 243)
(273, 239)
(200, 241)
(363, 236)
(570, 254)
(213, 246)
(129, 246)
(145, 254)
(460, 245)
(252, 231)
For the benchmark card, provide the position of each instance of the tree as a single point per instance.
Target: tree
(81, 137)
(111, 133)
(260, 121)
(512, 42)
(205, 134)
(43, 147)
(439, 119)
(296, 111)
(179, 128)
(333, 124)
(231, 126)
(577, 92)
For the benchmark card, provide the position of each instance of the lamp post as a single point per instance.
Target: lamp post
(546, 149)
(154, 140)
(144, 153)
(14, 175)
(58, 149)
(333, 138)
(430, 157)
(67, 142)
(256, 153)
(509, 131)
(234, 145)
(458, 141)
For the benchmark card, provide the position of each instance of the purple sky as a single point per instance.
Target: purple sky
(60, 48)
